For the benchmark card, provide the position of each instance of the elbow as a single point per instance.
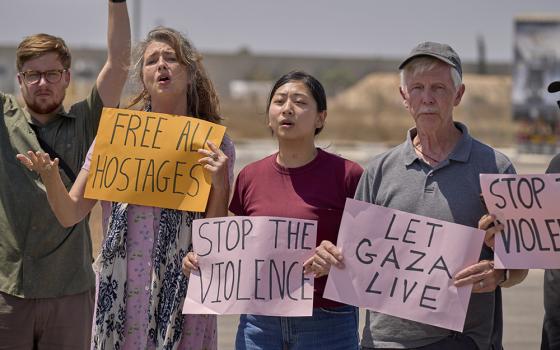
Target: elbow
(517, 276)
(66, 222)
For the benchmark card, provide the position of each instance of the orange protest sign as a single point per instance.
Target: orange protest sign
(151, 159)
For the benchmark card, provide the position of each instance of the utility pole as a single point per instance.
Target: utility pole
(136, 20)
(481, 51)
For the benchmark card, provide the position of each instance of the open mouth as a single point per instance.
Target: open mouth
(163, 79)
(286, 123)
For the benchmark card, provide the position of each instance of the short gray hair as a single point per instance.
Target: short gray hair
(426, 63)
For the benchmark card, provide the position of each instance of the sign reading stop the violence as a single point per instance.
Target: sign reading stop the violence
(403, 264)
(252, 265)
(528, 207)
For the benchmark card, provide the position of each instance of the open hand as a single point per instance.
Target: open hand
(39, 162)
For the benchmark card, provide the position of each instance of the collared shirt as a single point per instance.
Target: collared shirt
(38, 257)
(449, 191)
(551, 330)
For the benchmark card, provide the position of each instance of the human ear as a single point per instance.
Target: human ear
(459, 95)
(320, 120)
(403, 95)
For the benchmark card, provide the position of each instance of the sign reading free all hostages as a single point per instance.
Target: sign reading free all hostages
(151, 159)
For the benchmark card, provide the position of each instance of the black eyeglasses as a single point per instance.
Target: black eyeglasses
(51, 76)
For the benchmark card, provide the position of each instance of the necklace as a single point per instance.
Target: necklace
(424, 154)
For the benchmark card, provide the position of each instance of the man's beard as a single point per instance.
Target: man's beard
(44, 108)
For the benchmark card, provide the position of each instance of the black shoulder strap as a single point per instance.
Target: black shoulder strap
(52, 153)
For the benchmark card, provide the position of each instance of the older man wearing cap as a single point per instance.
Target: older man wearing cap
(551, 324)
(435, 173)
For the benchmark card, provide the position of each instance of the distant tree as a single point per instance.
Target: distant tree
(258, 73)
(336, 79)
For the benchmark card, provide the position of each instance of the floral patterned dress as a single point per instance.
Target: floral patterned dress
(199, 331)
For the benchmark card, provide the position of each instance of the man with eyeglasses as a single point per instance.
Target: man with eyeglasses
(47, 285)
(551, 325)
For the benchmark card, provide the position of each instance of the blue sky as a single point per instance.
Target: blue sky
(364, 28)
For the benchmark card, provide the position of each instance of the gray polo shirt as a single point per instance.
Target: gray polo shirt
(551, 288)
(38, 257)
(450, 191)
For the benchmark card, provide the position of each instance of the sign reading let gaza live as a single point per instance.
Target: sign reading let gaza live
(252, 264)
(151, 159)
(528, 207)
(403, 264)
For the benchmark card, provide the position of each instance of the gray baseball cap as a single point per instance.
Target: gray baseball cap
(442, 52)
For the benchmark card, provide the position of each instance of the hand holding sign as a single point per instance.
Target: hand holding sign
(402, 264)
(326, 254)
(190, 263)
(215, 161)
(250, 265)
(481, 275)
(150, 158)
(489, 225)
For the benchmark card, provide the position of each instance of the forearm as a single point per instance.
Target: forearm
(118, 36)
(112, 77)
(68, 208)
(218, 202)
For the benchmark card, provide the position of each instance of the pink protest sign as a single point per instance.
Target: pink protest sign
(403, 264)
(528, 207)
(252, 265)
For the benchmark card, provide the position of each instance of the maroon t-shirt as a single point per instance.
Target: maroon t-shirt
(315, 191)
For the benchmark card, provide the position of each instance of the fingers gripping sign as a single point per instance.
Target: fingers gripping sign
(190, 263)
(481, 275)
(488, 223)
(326, 254)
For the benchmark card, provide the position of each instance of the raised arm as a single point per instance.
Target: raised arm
(112, 77)
(69, 208)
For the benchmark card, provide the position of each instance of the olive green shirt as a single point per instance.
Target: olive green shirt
(38, 257)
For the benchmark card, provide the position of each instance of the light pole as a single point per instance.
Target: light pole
(136, 20)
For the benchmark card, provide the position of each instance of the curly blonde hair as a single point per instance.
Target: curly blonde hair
(202, 99)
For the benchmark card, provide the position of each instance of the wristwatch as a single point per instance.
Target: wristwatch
(506, 277)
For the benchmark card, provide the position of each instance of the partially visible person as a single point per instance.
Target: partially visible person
(435, 173)
(141, 286)
(305, 182)
(551, 324)
(46, 279)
